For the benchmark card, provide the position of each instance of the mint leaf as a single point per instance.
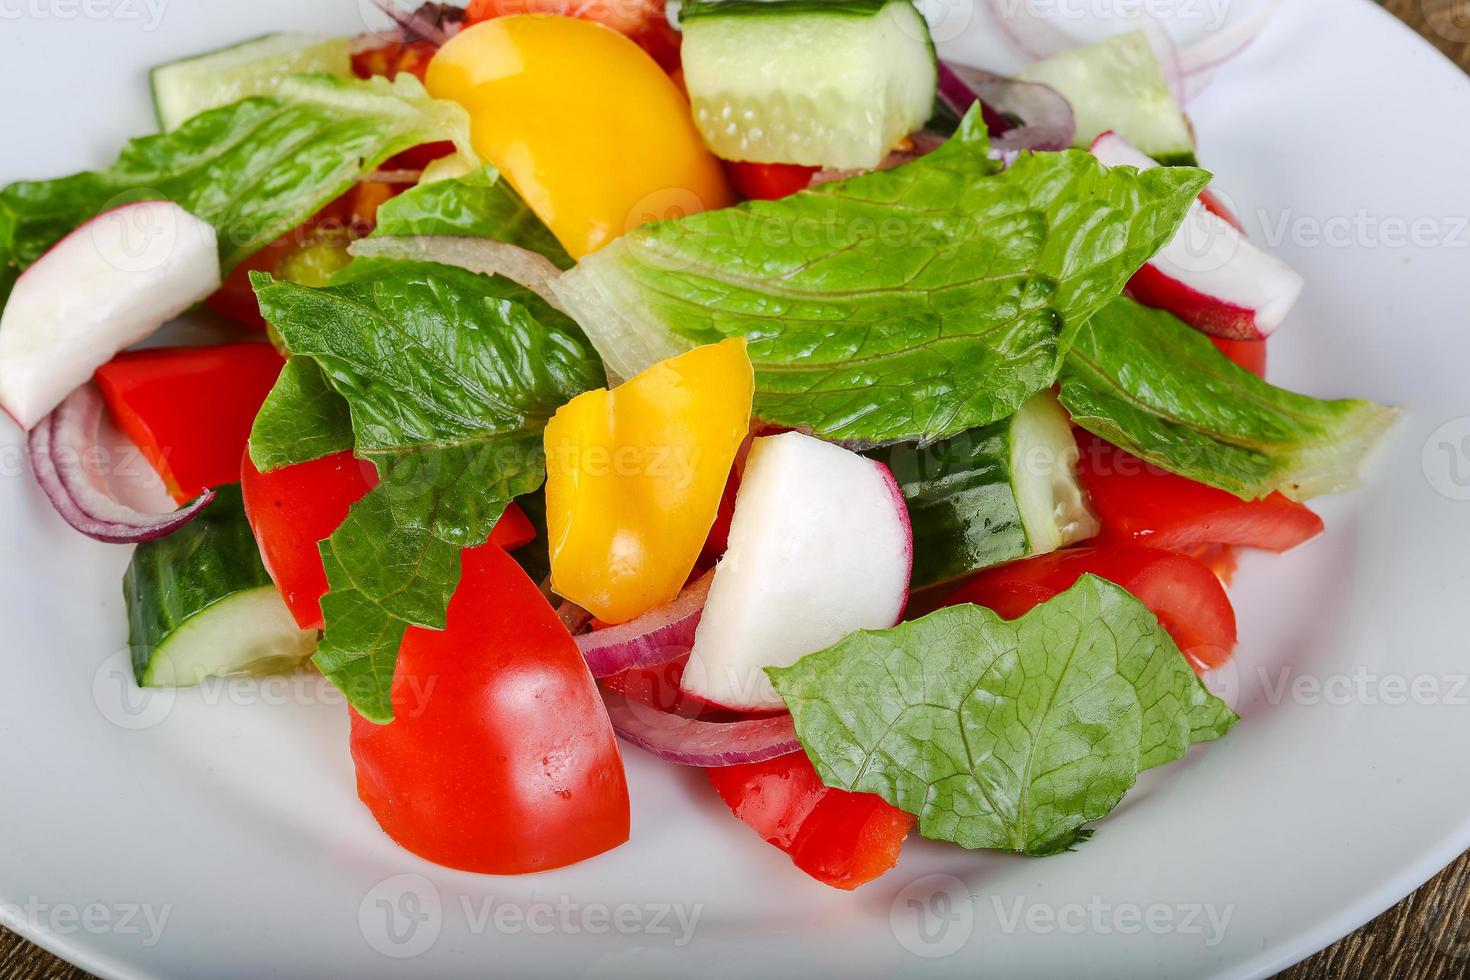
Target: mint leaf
(254, 169)
(1009, 735)
(913, 303)
(481, 204)
(449, 378)
(302, 420)
(1159, 389)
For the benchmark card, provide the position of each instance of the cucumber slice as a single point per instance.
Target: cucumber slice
(993, 494)
(825, 83)
(183, 89)
(200, 604)
(1119, 85)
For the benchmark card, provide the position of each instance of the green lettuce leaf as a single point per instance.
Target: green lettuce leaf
(254, 169)
(481, 204)
(997, 734)
(449, 378)
(1152, 385)
(913, 303)
(303, 419)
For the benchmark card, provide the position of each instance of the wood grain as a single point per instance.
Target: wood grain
(1425, 936)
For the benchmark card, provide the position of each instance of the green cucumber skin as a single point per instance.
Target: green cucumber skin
(962, 507)
(766, 8)
(174, 578)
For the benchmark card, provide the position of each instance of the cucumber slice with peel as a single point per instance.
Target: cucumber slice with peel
(1119, 85)
(201, 604)
(994, 494)
(825, 83)
(183, 89)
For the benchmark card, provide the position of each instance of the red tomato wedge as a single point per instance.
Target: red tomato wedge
(500, 759)
(1249, 354)
(768, 181)
(1181, 591)
(190, 409)
(292, 509)
(841, 839)
(1142, 504)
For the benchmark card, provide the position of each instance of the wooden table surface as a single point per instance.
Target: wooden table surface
(1425, 935)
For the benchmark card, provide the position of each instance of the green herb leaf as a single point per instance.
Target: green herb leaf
(303, 419)
(1153, 386)
(254, 169)
(481, 204)
(1009, 735)
(449, 378)
(913, 303)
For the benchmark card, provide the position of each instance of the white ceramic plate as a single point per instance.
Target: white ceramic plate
(228, 816)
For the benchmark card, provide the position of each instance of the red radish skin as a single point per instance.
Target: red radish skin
(902, 507)
(1209, 275)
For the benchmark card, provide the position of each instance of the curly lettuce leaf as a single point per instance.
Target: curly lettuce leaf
(912, 303)
(481, 204)
(995, 734)
(1150, 384)
(254, 169)
(449, 378)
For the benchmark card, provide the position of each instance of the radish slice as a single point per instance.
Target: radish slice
(1047, 122)
(108, 285)
(61, 448)
(820, 547)
(656, 637)
(708, 744)
(483, 255)
(1210, 275)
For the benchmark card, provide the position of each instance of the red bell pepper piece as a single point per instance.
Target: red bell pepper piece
(190, 409)
(768, 181)
(841, 839)
(294, 508)
(501, 759)
(1181, 591)
(1141, 504)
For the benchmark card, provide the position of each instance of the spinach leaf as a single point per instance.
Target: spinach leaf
(1159, 389)
(1009, 735)
(912, 303)
(449, 378)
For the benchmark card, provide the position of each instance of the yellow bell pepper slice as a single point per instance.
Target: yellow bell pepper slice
(584, 124)
(634, 478)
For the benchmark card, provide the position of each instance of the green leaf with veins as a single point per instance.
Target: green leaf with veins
(253, 169)
(481, 204)
(912, 303)
(302, 420)
(1159, 389)
(449, 378)
(997, 734)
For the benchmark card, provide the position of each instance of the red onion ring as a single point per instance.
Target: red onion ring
(691, 742)
(59, 447)
(1047, 122)
(655, 638)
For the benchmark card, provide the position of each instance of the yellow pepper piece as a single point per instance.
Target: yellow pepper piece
(585, 125)
(634, 478)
